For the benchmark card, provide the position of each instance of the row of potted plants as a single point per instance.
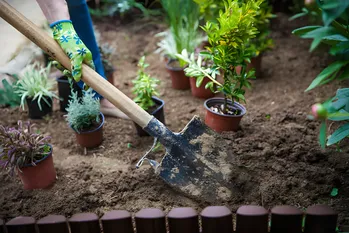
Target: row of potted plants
(227, 55)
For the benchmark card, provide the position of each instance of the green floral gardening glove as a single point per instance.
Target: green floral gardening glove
(66, 36)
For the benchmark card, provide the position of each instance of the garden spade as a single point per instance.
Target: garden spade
(195, 163)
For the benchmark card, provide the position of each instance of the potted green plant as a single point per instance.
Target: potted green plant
(85, 118)
(145, 89)
(106, 52)
(262, 42)
(227, 51)
(36, 89)
(28, 154)
(183, 19)
(8, 96)
(334, 33)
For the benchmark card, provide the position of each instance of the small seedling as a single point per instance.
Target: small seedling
(145, 87)
(334, 192)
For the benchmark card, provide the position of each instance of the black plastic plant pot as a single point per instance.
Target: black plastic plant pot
(158, 113)
(65, 91)
(34, 109)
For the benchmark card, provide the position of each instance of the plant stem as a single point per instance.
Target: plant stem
(225, 105)
(210, 77)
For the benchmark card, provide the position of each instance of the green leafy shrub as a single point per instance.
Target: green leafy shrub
(209, 9)
(36, 84)
(227, 51)
(183, 20)
(334, 33)
(83, 112)
(145, 87)
(262, 42)
(8, 96)
(21, 146)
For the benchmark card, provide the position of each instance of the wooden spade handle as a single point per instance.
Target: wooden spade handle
(89, 76)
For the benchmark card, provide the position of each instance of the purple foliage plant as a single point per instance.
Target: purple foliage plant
(21, 147)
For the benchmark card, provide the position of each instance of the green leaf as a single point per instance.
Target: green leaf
(199, 80)
(334, 192)
(322, 135)
(303, 30)
(327, 72)
(333, 9)
(315, 44)
(344, 75)
(341, 133)
(299, 15)
(336, 38)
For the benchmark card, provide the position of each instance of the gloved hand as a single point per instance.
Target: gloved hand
(66, 36)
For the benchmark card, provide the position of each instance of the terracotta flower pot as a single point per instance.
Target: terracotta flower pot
(223, 122)
(200, 92)
(34, 110)
(41, 176)
(158, 113)
(256, 63)
(91, 138)
(178, 78)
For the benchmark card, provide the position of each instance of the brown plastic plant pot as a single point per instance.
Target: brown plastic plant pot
(41, 176)
(178, 78)
(256, 63)
(221, 122)
(200, 92)
(92, 138)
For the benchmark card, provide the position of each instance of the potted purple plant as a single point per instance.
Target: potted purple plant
(28, 154)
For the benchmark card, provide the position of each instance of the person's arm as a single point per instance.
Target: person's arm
(54, 10)
(57, 14)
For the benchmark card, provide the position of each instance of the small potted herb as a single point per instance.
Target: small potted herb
(28, 154)
(36, 88)
(106, 52)
(183, 19)
(145, 90)
(85, 118)
(227, 51)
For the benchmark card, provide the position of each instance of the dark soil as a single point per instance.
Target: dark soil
(94, 125)
(276, 150)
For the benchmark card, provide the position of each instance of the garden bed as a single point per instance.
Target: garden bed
(279, 158)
